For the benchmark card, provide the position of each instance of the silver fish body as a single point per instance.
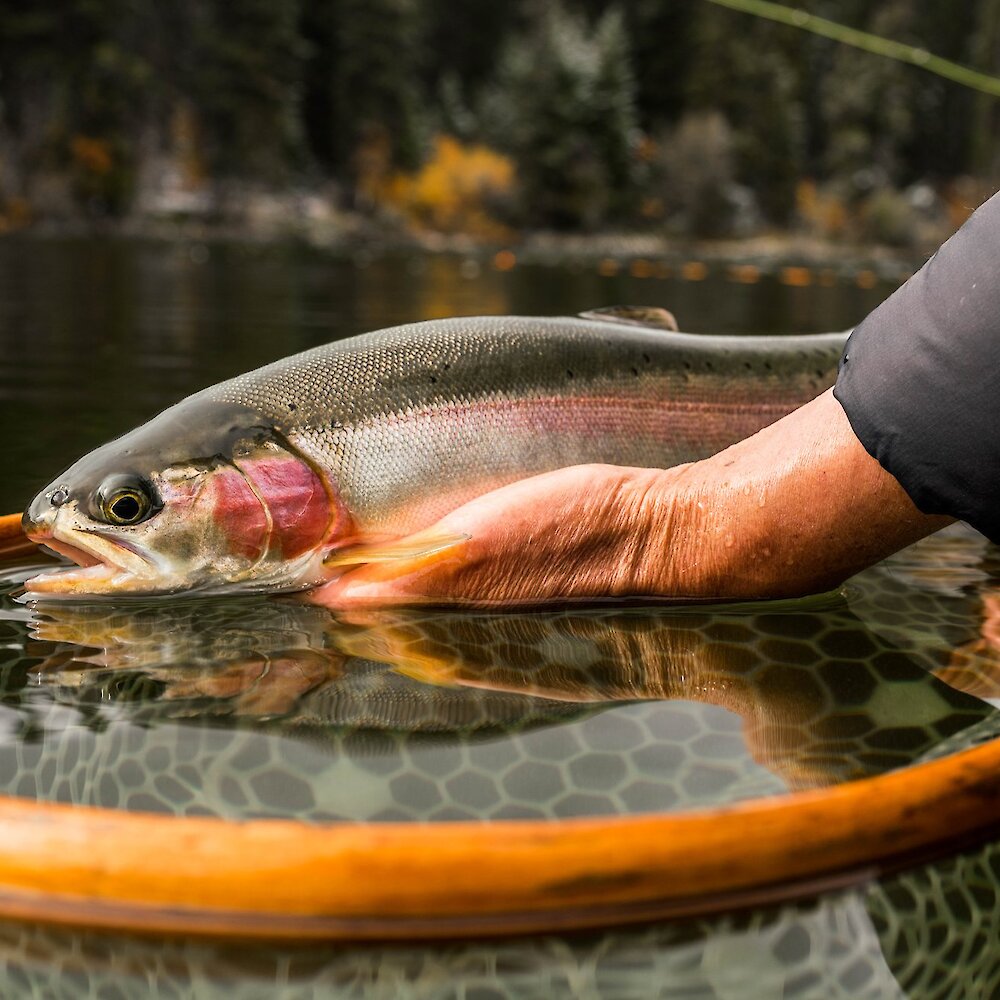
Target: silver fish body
(390, 430)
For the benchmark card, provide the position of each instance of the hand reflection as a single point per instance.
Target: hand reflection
(975, 666)
(820, 701)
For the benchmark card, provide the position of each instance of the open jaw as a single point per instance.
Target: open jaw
(103, 566)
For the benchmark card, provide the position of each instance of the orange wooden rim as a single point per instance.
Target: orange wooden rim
(286, 879)
(13, 541)
(10, 526)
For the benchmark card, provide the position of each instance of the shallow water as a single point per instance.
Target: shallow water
(259, 707)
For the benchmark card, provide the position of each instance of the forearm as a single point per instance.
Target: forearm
(795, 509)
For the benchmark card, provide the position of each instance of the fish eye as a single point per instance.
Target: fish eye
(124, 500)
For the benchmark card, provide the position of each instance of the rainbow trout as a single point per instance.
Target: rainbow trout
(277, 479)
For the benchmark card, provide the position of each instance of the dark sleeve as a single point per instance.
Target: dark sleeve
(920, 378)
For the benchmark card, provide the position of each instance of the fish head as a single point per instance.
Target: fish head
(208, 496)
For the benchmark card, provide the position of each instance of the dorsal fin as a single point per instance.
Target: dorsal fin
(655, 317)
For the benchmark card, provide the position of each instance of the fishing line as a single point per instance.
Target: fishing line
(876, 44)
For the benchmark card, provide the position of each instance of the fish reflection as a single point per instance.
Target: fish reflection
(214, 653)
(257, 661)
(822, 699)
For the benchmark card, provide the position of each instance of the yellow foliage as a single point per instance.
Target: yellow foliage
(93, 155)
(961, 197)
(455, 190)
(16, 213)
(651, 208)
(372, 161)
(823, 213)
(186, 144)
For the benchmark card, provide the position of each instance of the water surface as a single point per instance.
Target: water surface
(258, 707)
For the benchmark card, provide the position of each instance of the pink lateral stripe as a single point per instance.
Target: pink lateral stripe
(671, 420)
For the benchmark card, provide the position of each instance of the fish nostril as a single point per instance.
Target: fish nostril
(36, 520)
(39, 518)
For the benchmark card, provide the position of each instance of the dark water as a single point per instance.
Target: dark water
(133, 327)
(261, 707)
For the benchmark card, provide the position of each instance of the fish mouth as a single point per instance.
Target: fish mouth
(104, 565)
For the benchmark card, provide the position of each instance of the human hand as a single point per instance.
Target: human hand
(579, 533)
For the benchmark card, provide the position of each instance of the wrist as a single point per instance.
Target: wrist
(795, 509)
(707, 532)
(667, 547)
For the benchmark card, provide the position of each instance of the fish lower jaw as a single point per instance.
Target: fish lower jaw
(81, 582)
(109, 580)
(104, 567)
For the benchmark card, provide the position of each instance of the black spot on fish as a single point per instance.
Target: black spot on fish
(708, 366)
(748, 366)
(767, 366)
(433, 379)
(687, 365)
(569, 374)
(292, 407)
(635, 372)
(646, 358)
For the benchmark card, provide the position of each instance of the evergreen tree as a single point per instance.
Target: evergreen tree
(564, 106)
(364, 93)
(867, 136)
(246, 86)
(77, 85)
(747, 69)
(662, 44)
(614, 107)
(967, 122)
(463, 41)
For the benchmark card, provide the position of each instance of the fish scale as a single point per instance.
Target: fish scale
(401, 413)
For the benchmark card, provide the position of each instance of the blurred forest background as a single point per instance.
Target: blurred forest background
(489, 120)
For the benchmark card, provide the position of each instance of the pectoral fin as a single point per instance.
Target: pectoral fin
(421, 548)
